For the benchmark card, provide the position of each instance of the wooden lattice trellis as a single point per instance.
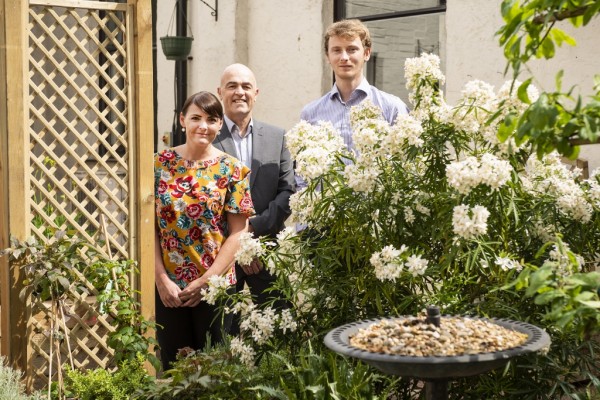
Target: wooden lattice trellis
(80, 97)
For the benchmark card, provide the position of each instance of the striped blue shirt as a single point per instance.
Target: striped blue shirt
(243, 145)
(331, 108)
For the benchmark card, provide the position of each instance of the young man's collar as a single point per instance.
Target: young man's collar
(364, 87)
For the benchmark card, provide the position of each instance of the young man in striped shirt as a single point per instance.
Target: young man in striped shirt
(348, 48)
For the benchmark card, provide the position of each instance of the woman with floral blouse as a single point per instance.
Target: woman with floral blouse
(202, 204)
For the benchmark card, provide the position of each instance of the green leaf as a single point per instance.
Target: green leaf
(590, 279)
(546, 50)
(64, 282)
(565, 319)
(548, 297)
(507, 127)
(538, 280)
(560, 37)
(558, 79)
(591, 304)
(585, 296)
(592, 10)
(522, 91)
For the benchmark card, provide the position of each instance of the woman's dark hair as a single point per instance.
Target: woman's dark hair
(207, 102)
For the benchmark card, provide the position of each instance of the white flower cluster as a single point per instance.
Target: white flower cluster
(416, 265)
(260, 324)
(365, 111)
(387, 263)
(424, 79)
(550, 176)
(425, 67)
(285, 240)
(250, 248)
(594, 187)
(507, 96)
(541, 231)
(368, 131)
(312, 162)
(313, 147)
(217, 287)
(406, 130)
(390, 262)
(245, 352)
(564, 264)
(409, 215)
(474, 107)
(361, 177)
(302, 206)
(506, 264)
(287, 322)
(507, 102)
(368, 138)
(243, 303)
(469, 222)
(489, 170)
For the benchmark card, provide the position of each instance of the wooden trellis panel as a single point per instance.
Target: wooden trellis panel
(80, 158)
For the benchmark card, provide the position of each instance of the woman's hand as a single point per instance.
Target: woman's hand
(191, 296)
(168, 291)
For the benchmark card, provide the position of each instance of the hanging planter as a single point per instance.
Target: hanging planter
(176, 47)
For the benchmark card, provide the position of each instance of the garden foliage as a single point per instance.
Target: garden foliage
(436, 209)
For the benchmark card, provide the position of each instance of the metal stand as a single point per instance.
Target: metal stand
(436, 390)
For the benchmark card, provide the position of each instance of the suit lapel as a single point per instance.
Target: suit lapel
(224, 141)
(258, 145)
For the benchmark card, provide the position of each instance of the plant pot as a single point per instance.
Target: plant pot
(176, 47)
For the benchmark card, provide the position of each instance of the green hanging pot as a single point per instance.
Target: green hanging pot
(176, 47)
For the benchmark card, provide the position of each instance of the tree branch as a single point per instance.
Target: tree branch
(559, 15)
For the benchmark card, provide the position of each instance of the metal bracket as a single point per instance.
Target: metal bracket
(215, 10)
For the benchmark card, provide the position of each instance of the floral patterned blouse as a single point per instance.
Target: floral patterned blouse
(192, 198)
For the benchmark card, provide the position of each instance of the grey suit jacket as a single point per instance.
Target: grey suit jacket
(272, 177)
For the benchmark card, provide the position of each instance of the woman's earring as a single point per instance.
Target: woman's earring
(183, 129)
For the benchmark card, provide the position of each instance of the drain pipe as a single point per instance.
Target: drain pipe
(180, 73)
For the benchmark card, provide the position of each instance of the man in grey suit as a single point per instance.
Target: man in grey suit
(262, 148)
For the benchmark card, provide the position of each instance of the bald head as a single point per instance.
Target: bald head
(238, 91)
(237, 70)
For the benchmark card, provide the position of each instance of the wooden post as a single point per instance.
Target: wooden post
(144, 145)
(15, 202)
(4, 239)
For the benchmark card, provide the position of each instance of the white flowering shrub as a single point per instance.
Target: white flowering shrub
(437, 208)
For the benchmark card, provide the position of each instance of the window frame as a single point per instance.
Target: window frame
(340, 11)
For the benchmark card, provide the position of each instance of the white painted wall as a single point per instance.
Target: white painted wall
(278, 39)
(281, 41)
(473, 52)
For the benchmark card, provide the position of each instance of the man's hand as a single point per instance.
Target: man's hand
(254, 268)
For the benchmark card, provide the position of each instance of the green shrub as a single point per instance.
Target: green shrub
(101, 384)
(10, 384)
(213, 374)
